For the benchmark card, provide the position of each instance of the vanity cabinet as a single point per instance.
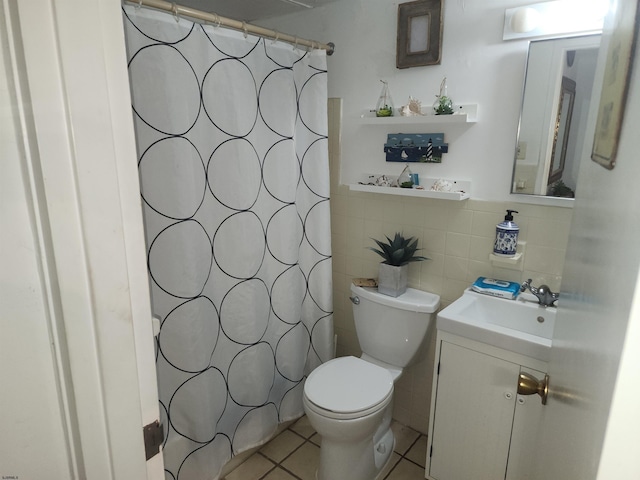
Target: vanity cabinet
(480, 428)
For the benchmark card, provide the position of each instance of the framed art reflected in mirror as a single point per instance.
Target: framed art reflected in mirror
(419, 37)
(562, 129)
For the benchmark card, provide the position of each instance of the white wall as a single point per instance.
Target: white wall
(480, 68)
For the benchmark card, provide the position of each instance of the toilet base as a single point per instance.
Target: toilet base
(366, 461)
(355, 449)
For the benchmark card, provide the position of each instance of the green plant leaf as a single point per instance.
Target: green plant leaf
(382, 254)
(398, 251)
(398, 257)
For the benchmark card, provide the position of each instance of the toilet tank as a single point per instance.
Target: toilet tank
(391, 329)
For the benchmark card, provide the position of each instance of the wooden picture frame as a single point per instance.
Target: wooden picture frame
(615, 86)
(419, 36)
(562, 129)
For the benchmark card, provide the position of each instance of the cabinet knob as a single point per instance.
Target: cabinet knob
(528, 385)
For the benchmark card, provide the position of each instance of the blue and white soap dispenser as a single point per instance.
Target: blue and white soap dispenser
(507, 236)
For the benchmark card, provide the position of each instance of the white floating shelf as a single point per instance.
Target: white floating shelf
(463, 114)
(512, 263)
(463, 187)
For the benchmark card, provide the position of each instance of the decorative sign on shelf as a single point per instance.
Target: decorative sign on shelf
(415, 147)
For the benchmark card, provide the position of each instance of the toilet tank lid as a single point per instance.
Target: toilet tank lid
(412, 300)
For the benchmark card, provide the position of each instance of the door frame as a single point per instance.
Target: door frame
(70, 68)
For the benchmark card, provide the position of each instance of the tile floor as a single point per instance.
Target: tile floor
(294, 455)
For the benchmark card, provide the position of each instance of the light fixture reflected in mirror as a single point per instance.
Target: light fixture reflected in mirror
(562, 17)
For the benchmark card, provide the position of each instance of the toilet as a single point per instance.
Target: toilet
(349, 400)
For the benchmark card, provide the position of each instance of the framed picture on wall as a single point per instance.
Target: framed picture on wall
(419, 39)
(615, 84)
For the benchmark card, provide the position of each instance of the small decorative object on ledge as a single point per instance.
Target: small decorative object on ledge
(443, 105)
(397, 254)
(365, 282)
(412, 109)
(384, 107)
(405, 180)
(415, 147)
(442, 185)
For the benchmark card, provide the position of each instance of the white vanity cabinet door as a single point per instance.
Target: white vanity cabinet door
(474, 411)
(526, 423)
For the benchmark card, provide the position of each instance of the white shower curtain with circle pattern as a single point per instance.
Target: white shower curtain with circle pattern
(232, 141)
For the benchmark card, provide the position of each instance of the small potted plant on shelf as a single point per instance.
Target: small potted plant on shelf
(393, 271)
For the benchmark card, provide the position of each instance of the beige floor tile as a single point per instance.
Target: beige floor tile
(389, 466)
(304, 461)
(279, 474)
(405, 437)
(316, 438)
(252, 469)
(418, 453)
(281, 446)
(406, 470)
(303, 427)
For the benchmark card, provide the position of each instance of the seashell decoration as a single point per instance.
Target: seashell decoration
(442, 186)
(412, 109)
(382, 181)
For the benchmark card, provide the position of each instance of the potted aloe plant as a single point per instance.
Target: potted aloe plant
(393, 271)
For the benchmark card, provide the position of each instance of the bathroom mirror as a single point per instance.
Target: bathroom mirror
(555, 104)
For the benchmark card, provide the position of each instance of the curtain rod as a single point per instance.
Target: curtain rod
(216, 19)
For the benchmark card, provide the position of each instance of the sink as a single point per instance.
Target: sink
(521, 325)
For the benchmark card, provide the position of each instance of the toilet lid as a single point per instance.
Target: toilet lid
(347, 385)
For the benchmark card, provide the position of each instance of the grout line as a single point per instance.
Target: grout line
(278, 465)
(393, 468)
(289, 472)
(287, 456)
(412, 445)
(271, 470)
(299, 434)
(417, 464)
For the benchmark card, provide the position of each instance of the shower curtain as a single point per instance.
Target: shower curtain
(232, 143)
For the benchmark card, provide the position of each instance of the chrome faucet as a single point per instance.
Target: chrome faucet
(546, 297)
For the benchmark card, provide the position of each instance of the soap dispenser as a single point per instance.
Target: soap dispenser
(507, 236)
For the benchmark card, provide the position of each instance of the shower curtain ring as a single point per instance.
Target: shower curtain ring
(174, 9)
(244, 29)
(139, 6)
(218, 21)
(276, 37)
(295, 44)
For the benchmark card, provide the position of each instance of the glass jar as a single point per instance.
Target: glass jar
(384, 107)
(443, 104)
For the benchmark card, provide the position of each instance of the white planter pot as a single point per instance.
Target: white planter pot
(392, 280)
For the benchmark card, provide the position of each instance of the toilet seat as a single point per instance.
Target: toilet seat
(348, 387)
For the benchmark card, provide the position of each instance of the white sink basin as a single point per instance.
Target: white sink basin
(520, 325)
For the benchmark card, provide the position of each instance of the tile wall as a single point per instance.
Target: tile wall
(456, 236)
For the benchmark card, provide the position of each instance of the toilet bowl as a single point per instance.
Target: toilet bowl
(349, 403)
(349, 400)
